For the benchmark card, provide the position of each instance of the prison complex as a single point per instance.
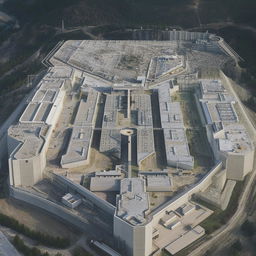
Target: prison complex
(107, 127)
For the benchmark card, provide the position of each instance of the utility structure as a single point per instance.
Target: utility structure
(128, 132)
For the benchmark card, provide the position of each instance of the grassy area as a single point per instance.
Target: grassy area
(219, 217)
(46, 41)
(240, 11)
(44, 239)
(161, 12)
(3, 185)
(243, 41)
(79, 251)
(29, 251)
(19, 78)
(135, 170)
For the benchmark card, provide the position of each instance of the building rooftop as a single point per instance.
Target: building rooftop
(176, 145)
(40, 113)
(211, 86)
(30, 139)
(141, 104)
(214, 91)
(105, 183)
(236, 139)
(167, 63)
(86, 112)
(36, 113)
(158, 183)
(51, 84)
(230, 134)
(110, 140)
(59, 72)
(119, 61)
(108, 173)
(78, 146)
(186, 239)
(133, 202)
(112, 105)
(82, 131)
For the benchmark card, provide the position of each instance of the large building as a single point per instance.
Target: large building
(107, 130)
(29, 139)
(228, 137)
(176, 145)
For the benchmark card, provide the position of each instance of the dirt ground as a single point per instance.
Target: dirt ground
(36, 219)
(98, 162)
(150, 163)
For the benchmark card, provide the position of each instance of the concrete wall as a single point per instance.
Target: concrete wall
(76, 163)
(26, 172)
(182, 198)
(50, 207)
(56, 109)
(183, 165)
(142, 240)
(238, 166)
(123, 233)
(213, 143)
(219, 179)
(70, 185)
(134, 240)
(249, 126)
(149, 34)
(137, 240)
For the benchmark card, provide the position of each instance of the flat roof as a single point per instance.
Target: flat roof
(110, 141)
(167, 63)
(111, 107)
(78, 146)
(30, 137)
(222, 116)
(45, 95)
(51, 84)
(82, 131)
(160, 182)
(108, 173)
(211, 86)
(141, 103)
(220, 112)
(101, 183)
(115, 61)
(36, 112)
(236, 139)
(186, 239)
(33, 124)
(173, 226)
(59, 72)
(176, 145)
(133, 201)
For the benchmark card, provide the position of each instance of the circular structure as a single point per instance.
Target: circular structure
(127, 132)
(215, 38)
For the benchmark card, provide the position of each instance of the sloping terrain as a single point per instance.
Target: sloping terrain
(137, 12)
(40, 28)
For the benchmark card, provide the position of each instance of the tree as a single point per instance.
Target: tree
(248, 228)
